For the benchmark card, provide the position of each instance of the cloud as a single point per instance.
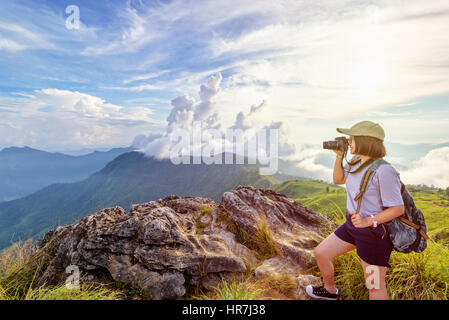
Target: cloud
(146, 76)
(432, 169)
(338, 64)
(61, 119)
(16, 38)
(243, 121)
(187, 111)
(141, 140)
(138, 32)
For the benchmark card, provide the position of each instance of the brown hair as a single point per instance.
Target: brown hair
(369, 146)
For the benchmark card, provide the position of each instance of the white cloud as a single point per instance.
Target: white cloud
(433, 168)
(139, 31)
(61, 119)
(16, 38)
(330, 64)
(146, 76)
(186, 111)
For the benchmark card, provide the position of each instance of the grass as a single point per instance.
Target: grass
(19, 267)
(233, 290)
(200, 226)
(282, 286)
(85, 292)
(261, 242)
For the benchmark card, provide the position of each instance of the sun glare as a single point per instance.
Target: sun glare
(369, 74)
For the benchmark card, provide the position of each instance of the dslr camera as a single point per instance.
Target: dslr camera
(338, 144)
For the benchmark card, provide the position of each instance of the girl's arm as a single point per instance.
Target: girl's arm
(339, 175)
(387, 215)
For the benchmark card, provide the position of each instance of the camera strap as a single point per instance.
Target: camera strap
(363, 165)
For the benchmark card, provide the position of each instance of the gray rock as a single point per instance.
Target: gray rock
(163, 246)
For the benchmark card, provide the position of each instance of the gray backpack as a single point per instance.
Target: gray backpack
(407, 232)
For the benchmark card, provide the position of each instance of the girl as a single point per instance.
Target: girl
(382, 202)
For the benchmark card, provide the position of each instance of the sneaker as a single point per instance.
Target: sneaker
(321, 293)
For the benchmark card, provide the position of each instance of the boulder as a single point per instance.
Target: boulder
(294, 228)
(165, 245)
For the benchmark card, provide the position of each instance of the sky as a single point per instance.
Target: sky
(310, 66)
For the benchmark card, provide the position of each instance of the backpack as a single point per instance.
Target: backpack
(408, 231)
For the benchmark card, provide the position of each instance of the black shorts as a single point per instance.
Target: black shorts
(373, 244)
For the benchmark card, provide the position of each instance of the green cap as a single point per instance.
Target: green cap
(365, 128)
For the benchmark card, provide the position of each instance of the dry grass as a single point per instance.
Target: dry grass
(20, 266)
(261, 242)
(272, 287)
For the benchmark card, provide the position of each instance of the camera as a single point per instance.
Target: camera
(339, 144)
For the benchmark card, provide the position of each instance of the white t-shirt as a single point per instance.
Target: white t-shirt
(384, 189)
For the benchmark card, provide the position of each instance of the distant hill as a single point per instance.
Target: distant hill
(129, 179)
(26, 170)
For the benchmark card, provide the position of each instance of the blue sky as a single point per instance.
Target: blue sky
(317, 65)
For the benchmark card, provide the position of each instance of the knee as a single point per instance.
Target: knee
(319, 253)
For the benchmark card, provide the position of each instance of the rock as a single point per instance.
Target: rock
(154, 248)
(163, 246)
(293, 227)
(274, 266)
(303, 281)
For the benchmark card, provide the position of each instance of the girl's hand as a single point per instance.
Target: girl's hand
(339, 153)
(360, 222)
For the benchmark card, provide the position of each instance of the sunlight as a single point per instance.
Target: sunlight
(369, 74)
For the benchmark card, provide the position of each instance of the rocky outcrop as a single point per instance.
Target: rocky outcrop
(293, 227)
(166, 245)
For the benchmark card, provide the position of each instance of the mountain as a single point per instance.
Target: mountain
(129, 179)
(26, 170)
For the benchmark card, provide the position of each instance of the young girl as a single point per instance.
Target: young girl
(382, 202)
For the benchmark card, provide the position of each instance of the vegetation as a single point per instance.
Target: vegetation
(199, 225)
(19, 266)
(412, 276)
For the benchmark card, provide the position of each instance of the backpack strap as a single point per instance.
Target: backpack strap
(417, 227)
(358, 198)
(368, 177)
(375, 163)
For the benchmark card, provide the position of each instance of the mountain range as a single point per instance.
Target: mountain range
(24, 170)
(130, 178)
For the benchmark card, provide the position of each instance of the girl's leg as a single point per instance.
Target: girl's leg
(327, 250)
(375, 281)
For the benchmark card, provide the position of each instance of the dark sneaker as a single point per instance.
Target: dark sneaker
(321, 293)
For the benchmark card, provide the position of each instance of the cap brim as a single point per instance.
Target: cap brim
(345, 131)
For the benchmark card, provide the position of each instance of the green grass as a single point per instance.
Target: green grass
(233, 290)
(299, 189)
(19, 267)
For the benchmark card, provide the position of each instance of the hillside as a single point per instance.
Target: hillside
(26, 170)
(128, 179)
(158, 241)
